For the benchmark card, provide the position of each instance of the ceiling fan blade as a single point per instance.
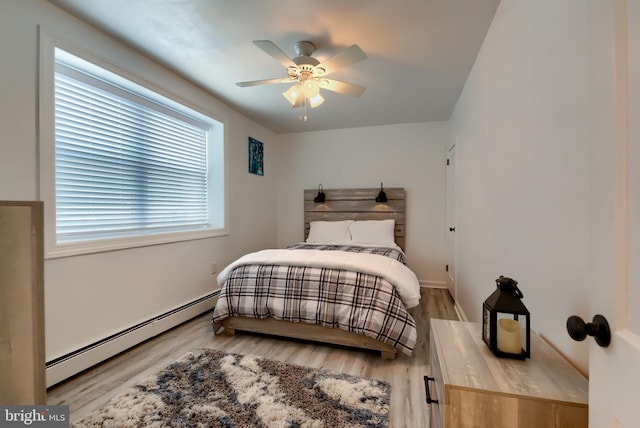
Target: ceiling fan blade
(343, 87)
(344, 58)
(275, 52)
(265, 82)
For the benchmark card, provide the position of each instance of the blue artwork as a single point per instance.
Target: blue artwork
(256, 164)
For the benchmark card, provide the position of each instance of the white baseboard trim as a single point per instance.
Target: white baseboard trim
(432, 284)
(461, 315)
(68, 365)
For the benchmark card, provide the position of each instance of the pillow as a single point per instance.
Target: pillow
(329, 232)
(373, 232)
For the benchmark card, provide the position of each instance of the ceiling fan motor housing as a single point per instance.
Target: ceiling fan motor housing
(304, 48)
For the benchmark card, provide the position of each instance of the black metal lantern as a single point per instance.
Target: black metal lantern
(506, 321)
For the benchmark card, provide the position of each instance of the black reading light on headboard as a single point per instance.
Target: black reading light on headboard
(320, 196)
(382, 197)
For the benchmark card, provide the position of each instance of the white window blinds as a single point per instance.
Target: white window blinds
(124, 165)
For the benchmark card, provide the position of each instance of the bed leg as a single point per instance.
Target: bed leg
(227, 327)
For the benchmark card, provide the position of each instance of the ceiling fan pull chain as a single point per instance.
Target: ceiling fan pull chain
(301, 117)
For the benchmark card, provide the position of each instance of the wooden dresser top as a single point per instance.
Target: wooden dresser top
(468, 363)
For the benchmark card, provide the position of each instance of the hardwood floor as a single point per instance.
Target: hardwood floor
(94, 387)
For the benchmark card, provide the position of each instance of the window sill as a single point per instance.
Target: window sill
(115, 244)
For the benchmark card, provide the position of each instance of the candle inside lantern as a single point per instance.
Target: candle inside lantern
(509, 336)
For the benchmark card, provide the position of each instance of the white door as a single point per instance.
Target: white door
(614, 372)
(451, 222)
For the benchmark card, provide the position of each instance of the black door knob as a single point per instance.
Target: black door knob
(452, 229)
(599, 329)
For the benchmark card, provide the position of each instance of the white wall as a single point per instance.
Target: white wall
(528, 181)
(90, 297)
(405, 155)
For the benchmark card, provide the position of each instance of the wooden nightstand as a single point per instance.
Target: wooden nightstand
(474, 388)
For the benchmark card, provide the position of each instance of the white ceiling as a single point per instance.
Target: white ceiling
(419, 52)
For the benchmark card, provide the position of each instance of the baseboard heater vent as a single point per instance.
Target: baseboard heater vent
(74, 362)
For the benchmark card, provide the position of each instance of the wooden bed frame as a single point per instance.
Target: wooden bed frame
(340, 204)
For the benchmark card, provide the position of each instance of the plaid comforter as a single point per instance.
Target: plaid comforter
(353, 301)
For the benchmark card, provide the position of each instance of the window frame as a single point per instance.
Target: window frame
(216, 155)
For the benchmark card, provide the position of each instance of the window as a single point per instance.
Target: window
(131, 167)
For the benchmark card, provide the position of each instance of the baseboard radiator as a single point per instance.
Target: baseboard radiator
(73, 363)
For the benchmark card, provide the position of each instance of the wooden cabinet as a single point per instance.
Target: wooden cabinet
(474, 388)
(22, 354)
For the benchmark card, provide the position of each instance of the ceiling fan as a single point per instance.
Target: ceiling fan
(308, 74)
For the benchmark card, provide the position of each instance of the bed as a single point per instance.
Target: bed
(346, 284)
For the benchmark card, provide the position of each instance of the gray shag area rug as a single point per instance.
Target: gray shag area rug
(208, 388)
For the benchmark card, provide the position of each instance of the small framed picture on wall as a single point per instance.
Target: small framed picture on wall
(256, 157)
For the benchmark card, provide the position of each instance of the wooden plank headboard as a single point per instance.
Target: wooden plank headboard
(357, 204)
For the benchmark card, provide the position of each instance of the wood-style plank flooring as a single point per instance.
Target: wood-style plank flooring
(94, 387)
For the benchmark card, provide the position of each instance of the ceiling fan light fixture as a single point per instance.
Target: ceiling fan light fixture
(310, 88)
(292, 94)
(315, 101)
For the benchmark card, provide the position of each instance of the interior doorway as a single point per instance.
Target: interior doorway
(451, 221)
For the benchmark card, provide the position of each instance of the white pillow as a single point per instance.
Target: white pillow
(329, 232)
(373, 232)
